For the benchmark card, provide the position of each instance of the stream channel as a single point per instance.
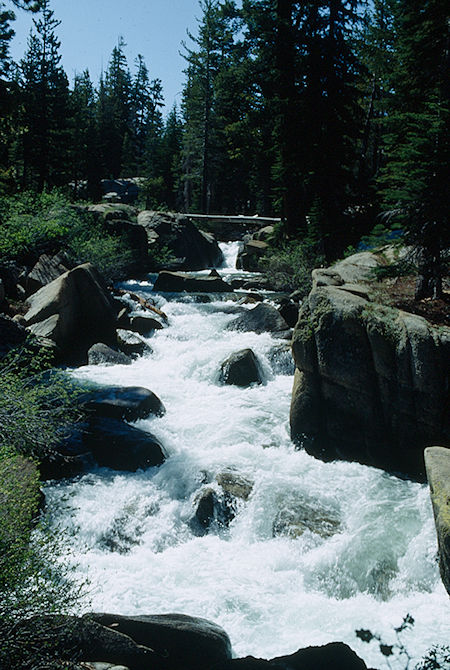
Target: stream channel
(273, 589)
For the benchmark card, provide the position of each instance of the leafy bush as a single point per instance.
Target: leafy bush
(109, 254)
(33, 224)
(36, 405)
(289, 266)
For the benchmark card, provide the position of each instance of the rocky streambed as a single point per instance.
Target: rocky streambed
(236, 524)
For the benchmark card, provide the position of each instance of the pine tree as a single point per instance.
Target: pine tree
(414, 179)
(45, 106)
(141, 154)
(114, 112)
(84, 137)
(203, 138)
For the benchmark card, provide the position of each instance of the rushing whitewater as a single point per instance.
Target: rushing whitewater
(273, 593)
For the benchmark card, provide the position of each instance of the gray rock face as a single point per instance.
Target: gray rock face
(437, 463)
(249, 257)
(47, 269)
(74, 311)
(261, 319)
(184, 642)
(241, 369)
(178, 282)
(196, 249)
(101, 354)
(370, 383)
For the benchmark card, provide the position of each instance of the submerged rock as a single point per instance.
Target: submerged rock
(298, 515)
(241, 369)
(212, 508)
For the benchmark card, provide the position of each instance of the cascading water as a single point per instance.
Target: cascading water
(367, 555)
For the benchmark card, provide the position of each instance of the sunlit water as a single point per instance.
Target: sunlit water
(272, 593)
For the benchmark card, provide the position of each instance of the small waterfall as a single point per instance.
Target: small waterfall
(314, 551)
(230, 252)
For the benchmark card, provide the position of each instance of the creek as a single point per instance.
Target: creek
(369, 561)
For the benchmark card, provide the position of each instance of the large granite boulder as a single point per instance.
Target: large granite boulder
(74, 311)
(195, 249)
(117, 445)
(333, 656)
(242, 368)
(437, 463)
(184, 642)
(122, 402)
(371, 382)
(177, 282)
(261, 319)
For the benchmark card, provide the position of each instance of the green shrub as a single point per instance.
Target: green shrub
(33, 578)
(33, 224)
(109, 254)
(36, 408)
(289, 267)
(37, 405)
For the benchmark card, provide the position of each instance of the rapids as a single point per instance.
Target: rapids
(273, 593)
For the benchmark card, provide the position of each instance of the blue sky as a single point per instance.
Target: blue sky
(90, 29)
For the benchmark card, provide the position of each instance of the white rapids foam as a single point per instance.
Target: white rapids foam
(272, 594)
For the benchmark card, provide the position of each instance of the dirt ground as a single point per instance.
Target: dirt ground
(400, 293)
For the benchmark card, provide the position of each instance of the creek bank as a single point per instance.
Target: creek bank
(164, 642)
(371, 381)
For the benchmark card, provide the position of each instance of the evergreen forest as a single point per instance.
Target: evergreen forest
(332, 115)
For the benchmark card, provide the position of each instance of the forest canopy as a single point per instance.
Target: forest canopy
(326, 113)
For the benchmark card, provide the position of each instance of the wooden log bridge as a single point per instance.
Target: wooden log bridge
(235, 220)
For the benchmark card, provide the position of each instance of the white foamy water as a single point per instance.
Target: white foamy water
(272, 593)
